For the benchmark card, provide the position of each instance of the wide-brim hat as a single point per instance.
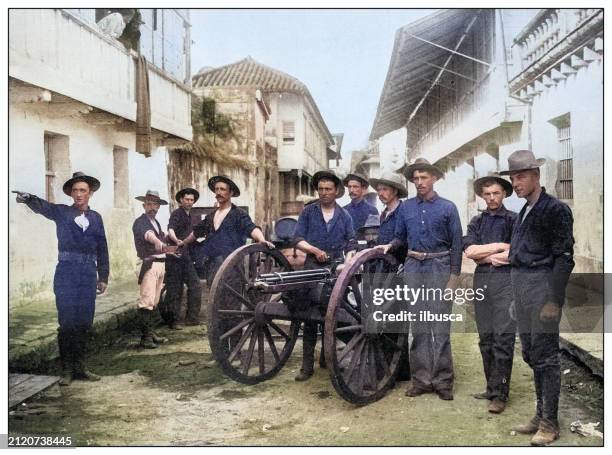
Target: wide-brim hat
(421, 164)
(371, 225)
(184, 191)
(78, 176)
(222, 178)
(152, 196)
(392, 179)
(356, 176)
(522, 160)
(330, 175)
(492, 177)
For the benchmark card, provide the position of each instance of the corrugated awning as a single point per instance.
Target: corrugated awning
(415, 64)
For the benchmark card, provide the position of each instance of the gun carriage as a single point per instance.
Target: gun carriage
(258, 301)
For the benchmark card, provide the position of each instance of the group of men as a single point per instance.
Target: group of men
(523, 262)
(166, 257)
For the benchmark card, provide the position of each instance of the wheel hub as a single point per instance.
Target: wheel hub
(260, 314)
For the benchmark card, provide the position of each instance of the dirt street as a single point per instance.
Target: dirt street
(147, 398)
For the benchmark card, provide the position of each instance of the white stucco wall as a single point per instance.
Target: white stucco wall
(580, 95)
(32, 240)
(392, 149)
(289, 108)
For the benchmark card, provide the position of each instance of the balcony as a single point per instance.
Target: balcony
(61, 52)
(543, 35)
(480, 110)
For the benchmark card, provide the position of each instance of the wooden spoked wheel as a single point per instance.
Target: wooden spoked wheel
(363, 366)
(248, 345)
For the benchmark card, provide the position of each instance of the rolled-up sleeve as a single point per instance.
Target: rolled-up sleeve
(246, 223)
(140, 228)
(175, 220)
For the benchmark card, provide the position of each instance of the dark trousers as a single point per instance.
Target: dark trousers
(74, 285)
(310, 329)
(496, 330)
(540, 342)
(181, 271)
(431, 358)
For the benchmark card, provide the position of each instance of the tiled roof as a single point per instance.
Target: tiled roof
(250, 73)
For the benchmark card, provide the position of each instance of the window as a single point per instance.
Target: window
(566, 157)
(288, 132)
(57, 164)
(121, 178)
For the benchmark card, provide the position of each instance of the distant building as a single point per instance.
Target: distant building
(72, 106)
(276, 113)
(229, 119)
(336, 149)
(471, 86)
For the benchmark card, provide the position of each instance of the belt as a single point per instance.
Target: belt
(150, 259)
(71, 256)
(422, 256)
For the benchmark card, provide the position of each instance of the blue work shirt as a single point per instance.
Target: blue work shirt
(334, 238)
(386, 231)
(430, 226)
(231, 235)
(359, 212)
(70, 236)
(544, 242)
(490, 228)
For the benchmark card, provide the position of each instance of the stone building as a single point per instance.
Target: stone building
(278, 136)
(72, 106)
(471, 86)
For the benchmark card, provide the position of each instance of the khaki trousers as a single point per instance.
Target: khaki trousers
(151, 286)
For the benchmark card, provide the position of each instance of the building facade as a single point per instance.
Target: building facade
(72, 106)
(278, 132)
(559, 73)
(472, 86)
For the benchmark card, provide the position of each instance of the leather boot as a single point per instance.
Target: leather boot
(445, 394)
(157, 339)
(63, 342)
(496, 406)
(530, 427)
(546, 434)
(174, 326)
(146, 340)
(81, 337)
(309, 342)
(414, 390)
